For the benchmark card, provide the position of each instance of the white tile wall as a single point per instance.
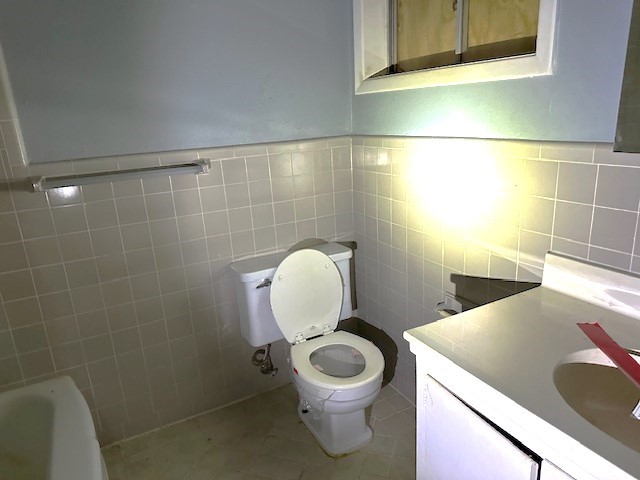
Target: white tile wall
(412, 204)
(125, 286)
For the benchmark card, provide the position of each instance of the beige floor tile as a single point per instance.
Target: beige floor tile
(395, 425)
(406, 447)
(382, 409)
(377, 465)
(382, 445)
(386, 391)
(262, 438)
(399, 403)
(276, 467)
(403, 469)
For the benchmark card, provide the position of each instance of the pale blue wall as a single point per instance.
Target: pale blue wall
(96, 78)
(109, 77)
(578, 103)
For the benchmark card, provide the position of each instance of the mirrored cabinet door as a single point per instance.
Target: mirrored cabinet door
(628, 127)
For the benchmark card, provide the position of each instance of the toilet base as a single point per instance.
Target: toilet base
(338, 434)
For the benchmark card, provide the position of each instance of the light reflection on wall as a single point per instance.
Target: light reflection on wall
(456, 181)
(471, 190)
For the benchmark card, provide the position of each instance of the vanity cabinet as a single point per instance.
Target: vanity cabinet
(458, 443)
(488, 401)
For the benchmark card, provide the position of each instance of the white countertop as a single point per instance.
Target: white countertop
(501, 358)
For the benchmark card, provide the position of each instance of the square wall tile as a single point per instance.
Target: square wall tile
(219, 247)
(573, 221)
(28, 339)
(237, 195)
(610, 258)
(194, 251)
(16, 285)
(9, 229)
(87, 298)
(164, 232)
(139, 261)
(187, 202)
(131, 210)
(12, 257)
(33, 224)
(111, 267)
(127, 188)
(101, 214)
(213, 199)
(91, 324)
(68, 355)
(56, 305)
(121, 317)
(23, 312)
(106, 241)
(82, 273)
(126, 340)
(136, 236)
(98, 347)
(69, 219)
(7, 347)
(35, 364)
(159, 206)
(62, 330)
(541, 178)
(257, 168)
(216, 223)
(234, 170)
(42, 251)
(577, 182)
(190, 228)
(145, 286)
(280, 165)
(617, 187)
(282, 189)
(50, 279)
(613, 229)
(116, 292)
(75, 246)
(9, 370)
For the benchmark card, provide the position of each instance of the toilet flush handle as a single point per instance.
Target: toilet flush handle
(265, 283)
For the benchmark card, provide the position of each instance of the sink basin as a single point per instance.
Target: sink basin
(594, 387)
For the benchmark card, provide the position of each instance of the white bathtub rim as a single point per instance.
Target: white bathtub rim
(75, 451)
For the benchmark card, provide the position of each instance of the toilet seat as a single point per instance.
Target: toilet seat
(301, 363)
(306, 295)
(306, 300)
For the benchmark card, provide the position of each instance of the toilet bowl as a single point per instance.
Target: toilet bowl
(337, 374)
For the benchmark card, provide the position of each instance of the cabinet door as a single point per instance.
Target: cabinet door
(459, 444)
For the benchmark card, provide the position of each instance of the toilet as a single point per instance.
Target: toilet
(301, 296)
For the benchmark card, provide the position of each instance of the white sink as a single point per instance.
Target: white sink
(595, 388)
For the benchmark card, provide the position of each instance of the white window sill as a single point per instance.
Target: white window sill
(487, 71)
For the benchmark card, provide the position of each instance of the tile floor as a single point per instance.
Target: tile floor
(262, 438)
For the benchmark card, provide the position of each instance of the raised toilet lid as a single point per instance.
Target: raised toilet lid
(306, 295)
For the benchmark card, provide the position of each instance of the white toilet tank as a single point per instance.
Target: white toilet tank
(253, 277)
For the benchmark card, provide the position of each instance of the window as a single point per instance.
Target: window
(401, 44)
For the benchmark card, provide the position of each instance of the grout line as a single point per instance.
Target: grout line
(593, 211)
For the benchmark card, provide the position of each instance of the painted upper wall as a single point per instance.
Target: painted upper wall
(578, 103)
(94, 78)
